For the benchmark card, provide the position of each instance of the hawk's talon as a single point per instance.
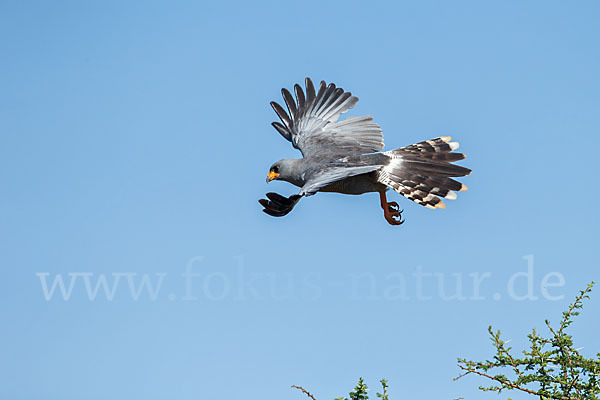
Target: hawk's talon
(391, 211)
(394, 218)
(393, 221)
(394, 214)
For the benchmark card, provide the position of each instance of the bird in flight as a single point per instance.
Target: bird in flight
(345, 156)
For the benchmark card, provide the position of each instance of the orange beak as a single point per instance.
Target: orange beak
(271, 175)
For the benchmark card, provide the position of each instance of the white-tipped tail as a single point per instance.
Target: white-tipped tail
(423, 172)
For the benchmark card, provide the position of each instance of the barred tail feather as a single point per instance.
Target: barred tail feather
(423, 172)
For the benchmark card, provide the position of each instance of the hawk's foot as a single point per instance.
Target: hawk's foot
(393, 215)
(391, 210)
(393, 206)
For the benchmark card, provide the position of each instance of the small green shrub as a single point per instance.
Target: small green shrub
(551, 369)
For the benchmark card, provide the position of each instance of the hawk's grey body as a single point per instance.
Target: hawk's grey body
(344, 156)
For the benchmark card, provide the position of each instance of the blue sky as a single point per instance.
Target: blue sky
(135, 140)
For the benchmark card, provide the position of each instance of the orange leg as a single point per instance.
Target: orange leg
(391, 211)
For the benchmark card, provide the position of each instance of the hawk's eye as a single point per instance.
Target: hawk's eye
(275, 169)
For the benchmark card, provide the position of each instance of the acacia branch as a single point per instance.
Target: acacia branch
(510, 384)
(304, 391)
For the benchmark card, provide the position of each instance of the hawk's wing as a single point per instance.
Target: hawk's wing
(312, 123)
(330, 175)
(277, 205)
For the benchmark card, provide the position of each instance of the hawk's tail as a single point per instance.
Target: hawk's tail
(423, 172)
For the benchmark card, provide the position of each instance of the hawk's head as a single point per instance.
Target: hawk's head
(274, 172)
(288, 169)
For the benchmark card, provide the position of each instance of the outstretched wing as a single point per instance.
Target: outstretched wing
(330, 175)
(277, 205)
(312, 123)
